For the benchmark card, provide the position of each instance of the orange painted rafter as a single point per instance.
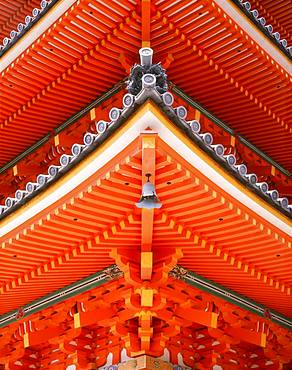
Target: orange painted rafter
(66, 70)
(228, 66)
(39, 232)
(190, 45)
(178, 190)
(210, 246)
(192, 251)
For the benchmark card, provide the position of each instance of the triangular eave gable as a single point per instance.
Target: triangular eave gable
(154, 115)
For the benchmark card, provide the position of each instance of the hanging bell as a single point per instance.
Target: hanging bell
(149, 198)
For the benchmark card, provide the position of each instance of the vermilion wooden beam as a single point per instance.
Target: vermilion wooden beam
(147, 229)
(148, 167)
(146, 18)
(253, 337)
(200, 317)
(92, 317)
(38, 337)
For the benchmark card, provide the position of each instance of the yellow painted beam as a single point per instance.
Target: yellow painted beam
(146, 265)
(147, 297)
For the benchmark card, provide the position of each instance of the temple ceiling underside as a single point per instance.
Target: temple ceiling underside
(145, 206)
(95, 224)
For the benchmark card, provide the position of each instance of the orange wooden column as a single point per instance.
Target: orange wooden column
(148, 167)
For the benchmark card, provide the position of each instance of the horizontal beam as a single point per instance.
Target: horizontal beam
(92, 317)
(256, 338)
(42, 336)
(200, 317)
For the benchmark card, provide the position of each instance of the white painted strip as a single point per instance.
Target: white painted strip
(35, 32)
(257, 35)
(147, 120)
